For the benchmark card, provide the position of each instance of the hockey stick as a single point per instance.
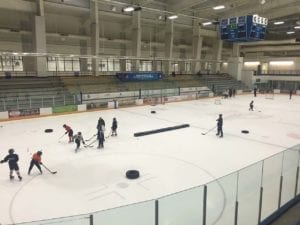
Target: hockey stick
(90, 144)
(53, 172)
(61, 136)
(208, 130)
(91, 137)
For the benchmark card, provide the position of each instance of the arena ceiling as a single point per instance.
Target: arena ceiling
(68, 18)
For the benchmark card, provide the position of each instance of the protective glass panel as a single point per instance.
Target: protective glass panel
(221, 198)
(249, 183)
(289, 172)
(141, 214)
(182, 208)
(76, 65)
(271, 185)
(72, 220)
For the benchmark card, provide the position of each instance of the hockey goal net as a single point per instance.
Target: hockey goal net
(156, 101)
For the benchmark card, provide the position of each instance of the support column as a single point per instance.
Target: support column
(181, 65)
(217, 55)
(235, 66)
(196, 47)
(94, 16)
(236, 50)
(39, 39)
(83, 62)
(27, 46)
(123, 52)
(169, 46)
(136, 39)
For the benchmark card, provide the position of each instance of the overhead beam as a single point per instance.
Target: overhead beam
(279, 42)
(271, 48)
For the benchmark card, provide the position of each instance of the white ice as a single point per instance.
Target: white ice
(94, 179)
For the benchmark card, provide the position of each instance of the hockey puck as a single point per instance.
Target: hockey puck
(132, 174)
(48, 130)
(245, 131)
(153, 111)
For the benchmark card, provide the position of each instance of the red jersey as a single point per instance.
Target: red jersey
(36, 157)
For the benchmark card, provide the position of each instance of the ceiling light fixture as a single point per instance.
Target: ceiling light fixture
(219, 7)
(172, 17)
(278, 23)
(207, 23)
(128, 9)
(297, 27)
(290, 32)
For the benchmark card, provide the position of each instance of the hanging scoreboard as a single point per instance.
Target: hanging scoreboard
(243, 28)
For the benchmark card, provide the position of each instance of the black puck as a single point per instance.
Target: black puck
(245, 131)
(132, 174)
(48, 130)
(153, 111)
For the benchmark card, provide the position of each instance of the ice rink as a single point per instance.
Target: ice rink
(93, 179)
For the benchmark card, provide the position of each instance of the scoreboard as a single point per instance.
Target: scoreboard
(243, 28)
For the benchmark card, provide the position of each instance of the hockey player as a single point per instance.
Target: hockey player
(69, 131)
(255, 91)
(251, 105)
(114, 127)
(12, 159)
(101, 124)
(291, 93)
(100, 137)
(220, 126)
(36, 161)
(78, 139)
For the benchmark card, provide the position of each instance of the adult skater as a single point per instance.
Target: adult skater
(100, 137)
(101, 124)
(251, 105)
(69, 131)
(255, 91)
(291, 93)
(36, 161)
(78, 139)
(114, 127)
(220, 126)
(12, 159)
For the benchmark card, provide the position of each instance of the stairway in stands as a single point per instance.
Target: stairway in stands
(222, 82)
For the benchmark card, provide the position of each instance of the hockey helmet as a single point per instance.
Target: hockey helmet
(11, 151)
(79, 133)
(64, 125)
(39, 152)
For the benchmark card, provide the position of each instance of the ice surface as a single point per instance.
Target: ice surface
(93, 179)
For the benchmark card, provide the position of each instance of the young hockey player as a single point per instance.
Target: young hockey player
(114, 127)
(251, 106)
(69, 131)
(12, 159)
(101, 124)
(220, 126)
(36, 161)
(100, 137)
(78, 139)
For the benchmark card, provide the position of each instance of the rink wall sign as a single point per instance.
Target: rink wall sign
(67, 108)
(23, 112)
(139, 76)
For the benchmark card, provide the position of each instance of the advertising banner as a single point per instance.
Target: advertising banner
(23, 112)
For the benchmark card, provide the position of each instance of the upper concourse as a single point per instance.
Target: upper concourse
(106, 28)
